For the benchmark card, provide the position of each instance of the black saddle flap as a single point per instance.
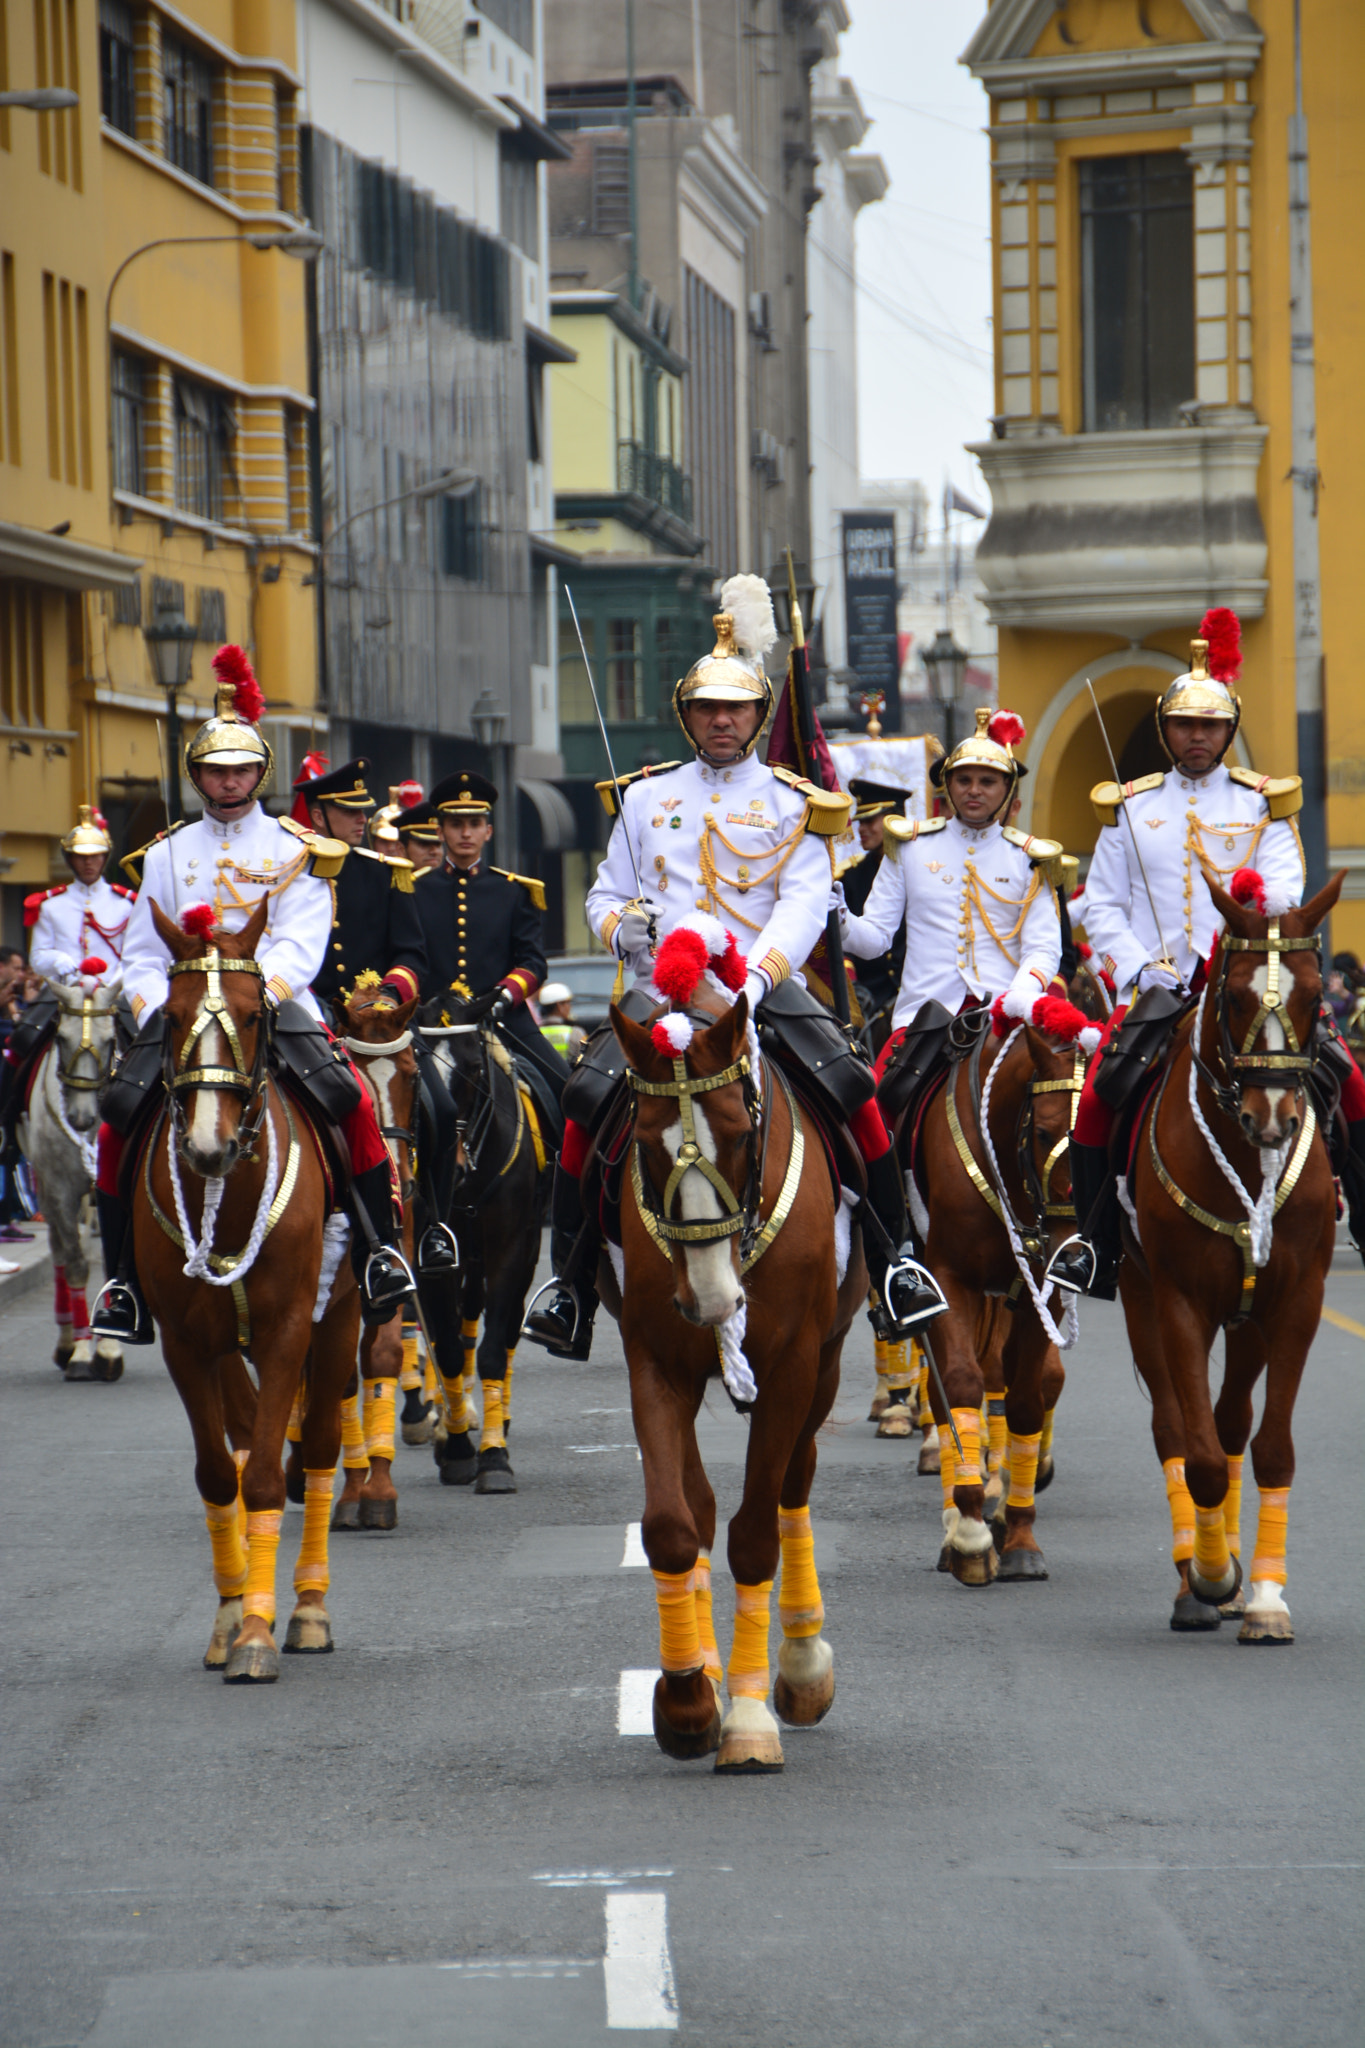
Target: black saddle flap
(136, 1078)
(597, 1073)
(1140, 1041)
(805, 1036)
(915, 1058)
(303, 1054)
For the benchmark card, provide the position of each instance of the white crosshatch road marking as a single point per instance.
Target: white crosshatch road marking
(635, 1702)
(641, 1993)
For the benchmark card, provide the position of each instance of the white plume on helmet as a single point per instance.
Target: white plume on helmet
(749, 602)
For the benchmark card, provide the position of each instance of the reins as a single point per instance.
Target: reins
(472, 1133)
(238, 1079)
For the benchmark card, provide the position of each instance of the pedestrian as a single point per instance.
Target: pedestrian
(555, 1007)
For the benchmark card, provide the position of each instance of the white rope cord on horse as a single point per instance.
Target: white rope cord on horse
(85, 1142)
(198, 1251)
(1260, 1213)
(1070, 1330)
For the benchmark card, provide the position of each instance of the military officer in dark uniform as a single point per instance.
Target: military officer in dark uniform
(419, 838)
(880, 977)
(482, 928)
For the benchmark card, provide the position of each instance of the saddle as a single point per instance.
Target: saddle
(935, 1043)
(1138, 1047)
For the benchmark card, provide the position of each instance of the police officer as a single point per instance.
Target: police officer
(555, 1004)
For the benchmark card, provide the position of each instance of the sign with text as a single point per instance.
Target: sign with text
(870, 607)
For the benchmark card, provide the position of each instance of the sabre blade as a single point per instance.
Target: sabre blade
(606, 743)
(1137, 850)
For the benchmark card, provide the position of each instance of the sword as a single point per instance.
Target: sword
(606, 745)
(1165, 960)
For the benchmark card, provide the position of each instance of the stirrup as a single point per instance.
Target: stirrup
(910, 1298)
(120, 1313)
(1073, 1267)
(386, 1284)
(438, 1250)
(550, 1327)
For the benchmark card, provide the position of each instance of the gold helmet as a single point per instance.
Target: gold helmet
(383, 832)
(733, 672)
(1205, 690)
(89, 834)
(229, 738)
(991, 745)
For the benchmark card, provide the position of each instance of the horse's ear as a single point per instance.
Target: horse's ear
(249, 937)
(402, 1016)
(180, 944)
(1308, 916)
(721, 1043)
(1236, 916)
(635, 1042)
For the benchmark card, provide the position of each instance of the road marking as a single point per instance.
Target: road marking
(569, 1880)
(635, 1703)
(634, 1552)
(641, 1993)
(500, 1968)
(1331, 1315)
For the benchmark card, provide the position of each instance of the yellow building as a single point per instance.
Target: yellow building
(153, 398)
(1140, 465)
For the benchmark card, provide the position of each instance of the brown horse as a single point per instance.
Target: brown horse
(230, 1126)
(975, 1193)
(728, 1212)
(1204, 1255)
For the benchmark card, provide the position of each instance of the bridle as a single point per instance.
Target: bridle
(68, 1077)
(241, 1078)
(1039, 1183)
(1247, 1067)
(683, 1089)
(366, 1049)
(472, 1132)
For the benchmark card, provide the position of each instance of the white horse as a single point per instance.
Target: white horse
(58, 1131)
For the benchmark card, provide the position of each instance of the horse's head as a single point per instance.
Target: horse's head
(1266, 991)
(378, 1037)
(85, 1045)
(216, 1035)
(694, 1128)
(1034, 1098)
(464, 1044)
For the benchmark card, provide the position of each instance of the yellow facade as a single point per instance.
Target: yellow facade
(1109, 77)
(624, 391)
(92, 538)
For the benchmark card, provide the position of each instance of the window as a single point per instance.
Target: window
(610, 186)
(1137, 290)
(625, 692)
(462, 536)
(187, 85)
(540, 613)
(519, 192)
(127, 401)
(202, 444)
(516, 18)
(211, 624)
(22, 698)
(709, 417)
(535, 410)
(126, 603)
(118, 57)
(575, 697)
(66, 349)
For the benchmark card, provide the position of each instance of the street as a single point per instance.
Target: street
(1033, 1816)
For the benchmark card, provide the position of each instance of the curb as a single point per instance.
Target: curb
(18, 1286)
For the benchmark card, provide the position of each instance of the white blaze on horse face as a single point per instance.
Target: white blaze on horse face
(1273, 1032)
(212, 1050)
(710, 1268)
(381, 1075)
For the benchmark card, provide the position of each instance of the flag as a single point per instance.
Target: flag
(955, 501)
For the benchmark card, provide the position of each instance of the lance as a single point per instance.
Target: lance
(611, 770)
(1166, 960)
(803, 725)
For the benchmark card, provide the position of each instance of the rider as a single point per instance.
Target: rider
(418, 832)
(231, 857)
(874, 802)
(1197, 814)
(749, 845)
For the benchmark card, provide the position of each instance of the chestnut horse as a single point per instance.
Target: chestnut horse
(1233, 1223)
(255, 1185)
(728, 1218)
(996, 1204)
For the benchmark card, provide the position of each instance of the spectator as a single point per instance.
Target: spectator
(13, 977)
(1343, 985)
(554, 1002)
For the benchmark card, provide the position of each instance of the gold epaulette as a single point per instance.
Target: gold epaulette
(1107, 796)
(1283, 793)
(532, 884)
(607, 790)
(400, 870)
(132, 862)
(899, 832)
(327, 857)
(827, 810)
(1043, 853)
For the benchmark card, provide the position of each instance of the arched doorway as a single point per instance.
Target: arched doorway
(1066, 752)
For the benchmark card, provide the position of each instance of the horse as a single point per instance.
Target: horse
(1232, 1223)
(254, 1181)
(728, 1267)
(997, 1191)
(496, 1211)
(57, 1131)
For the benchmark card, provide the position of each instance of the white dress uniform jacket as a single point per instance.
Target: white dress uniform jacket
(730, 841)
(980, 914)
(232, 867)
(1224, 818)
(77, 921)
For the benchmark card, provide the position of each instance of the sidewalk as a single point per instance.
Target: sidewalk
(35, 1267)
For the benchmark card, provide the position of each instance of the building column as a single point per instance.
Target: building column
(1219, 150)
(1025, 167)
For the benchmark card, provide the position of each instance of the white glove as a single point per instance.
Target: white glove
(756, 988)
(633, 934)
(1158, 974)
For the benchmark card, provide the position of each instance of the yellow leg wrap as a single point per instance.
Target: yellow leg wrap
(1210, 1543)
(748, 1673)
(354, 1456)
(997, 1432)
(679, 1641)
(239, 1459)
(507, 1391)
(410, 1376)
(294, 1431)
(492, 1438)
(925, 1416)
(1272, 1535)
(458, 1417)
(1182, 1508)
(379, 1405)
(1049, 1419)
(1023, 1456)
(1232, 1507)
(881, 1348)
(229, 1552)
(968, 1422)
(706, 1626)
(311, 1573)
(947, 1464)
(262, 1542)
(469, 1333)
(800, 1608)
(899, 1378)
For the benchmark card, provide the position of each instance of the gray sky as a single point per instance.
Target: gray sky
(924, 293)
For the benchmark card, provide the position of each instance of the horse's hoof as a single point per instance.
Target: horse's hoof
(999, 1528)
(1046, 1472)
(309, 1633)
(80, 1367)
(929, 1459)
(226, 1623)
(896, 1422)
(1266, 1628)
(881, 1401)
(253, 1662)
(749, 1740)
(804, 1692)
(973, 1567)
(1023, 1562)
(685, 1745)
(1190, 1616)
(62, 1355)
(422, 1431)
(945, 1562)
(458, 1460)
(346, 1515)
(378, 1514)
(1216, 1595)
(107, 1364)
(494, 1472)
(1234, 1609)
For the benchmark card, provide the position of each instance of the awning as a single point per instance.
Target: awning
(547, 550)
(558, 827)
(534, 138)
(65, 564)
(545, 348)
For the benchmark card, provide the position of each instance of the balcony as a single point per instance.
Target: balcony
(1124, 533)
(651, 476)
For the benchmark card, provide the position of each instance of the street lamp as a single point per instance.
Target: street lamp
(170, 639)
(947, 664)
(490, 723)
(489, 720)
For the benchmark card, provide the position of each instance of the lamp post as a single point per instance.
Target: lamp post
(490, 722)
(170, 639)
(947, 664)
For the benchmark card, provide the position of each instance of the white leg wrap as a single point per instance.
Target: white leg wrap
(805, 1660)
(969, 1536)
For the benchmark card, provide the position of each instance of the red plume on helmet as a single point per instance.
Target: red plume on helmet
(1007, 729)
(310, 768)
(1223, 631)
(410, 793)
(230, 665)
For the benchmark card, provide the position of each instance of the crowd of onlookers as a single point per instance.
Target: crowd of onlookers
(1345, 986)
(18, 988)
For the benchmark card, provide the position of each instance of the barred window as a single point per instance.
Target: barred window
(1137, 290)
(118, 81)
(128, 400)
(187, 85)
(202, 448)
(211, 624)
(625, 670)
(462, 535)
(575, 696)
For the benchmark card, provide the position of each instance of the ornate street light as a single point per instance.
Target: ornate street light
(946, 663)
(170, 641)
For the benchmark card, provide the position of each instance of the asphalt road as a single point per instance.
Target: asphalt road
(1033, 1816)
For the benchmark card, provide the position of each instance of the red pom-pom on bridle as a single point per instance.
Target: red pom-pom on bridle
(231, 665)
(1248, 888)
(198, 920)
(92, 964)
(679, 965)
